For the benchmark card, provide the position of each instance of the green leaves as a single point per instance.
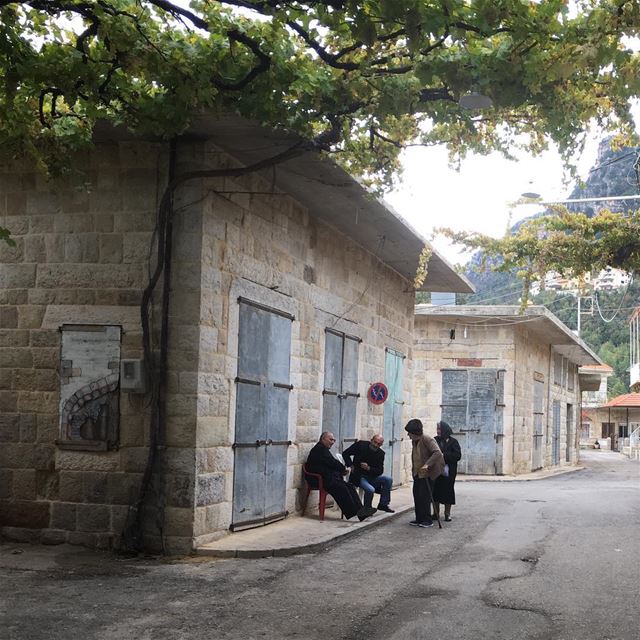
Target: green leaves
(402, 64)
(568, 243)
(5, 236)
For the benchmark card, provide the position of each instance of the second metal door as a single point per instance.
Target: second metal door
(340, 393)
(472, 402)
(393, 406)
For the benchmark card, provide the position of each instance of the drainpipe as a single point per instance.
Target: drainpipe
(513, 424)
(549, 405)
(628, 433)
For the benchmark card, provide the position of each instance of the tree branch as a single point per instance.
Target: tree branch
(330, 58)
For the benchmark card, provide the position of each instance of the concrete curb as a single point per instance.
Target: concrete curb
(299, 549)
(530, 477)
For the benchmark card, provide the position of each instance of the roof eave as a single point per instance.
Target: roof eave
(335, 197)
(547, 327)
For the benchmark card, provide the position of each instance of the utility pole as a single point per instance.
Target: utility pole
(579, 314)
(589, 311)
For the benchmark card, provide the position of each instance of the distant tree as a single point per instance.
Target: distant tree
(604, 326)
(568, 243)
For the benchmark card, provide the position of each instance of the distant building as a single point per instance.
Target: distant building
(598, 377)
(607, 279)
(616, 424)
(509, 384)
(610, 279)
(561, 284)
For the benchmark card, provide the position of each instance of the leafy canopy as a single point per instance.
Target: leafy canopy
(361, 78)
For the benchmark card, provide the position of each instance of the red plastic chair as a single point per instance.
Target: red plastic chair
(311, 479)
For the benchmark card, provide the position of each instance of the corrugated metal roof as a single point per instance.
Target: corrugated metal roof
(597, 367)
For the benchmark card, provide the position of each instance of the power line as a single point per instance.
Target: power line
(624, 295)
(613, 161)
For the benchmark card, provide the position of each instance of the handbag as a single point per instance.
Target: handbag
(445, 471)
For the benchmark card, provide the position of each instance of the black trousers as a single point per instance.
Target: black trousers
(346, 497)
(422, 498)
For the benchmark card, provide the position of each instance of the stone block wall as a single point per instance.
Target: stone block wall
(81, 257)
(532, 363)
(264, 246)
(435, 349)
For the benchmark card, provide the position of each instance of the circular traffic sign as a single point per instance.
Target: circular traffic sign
(378, 393)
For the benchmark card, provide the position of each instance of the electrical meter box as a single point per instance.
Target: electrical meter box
(133, 377)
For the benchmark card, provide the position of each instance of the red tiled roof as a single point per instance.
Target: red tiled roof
(625, 400)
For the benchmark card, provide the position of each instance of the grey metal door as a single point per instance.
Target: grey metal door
(392, 419)
(472, 404)
(262, 410)
(555, 434)
(340, 392)
(538, 424)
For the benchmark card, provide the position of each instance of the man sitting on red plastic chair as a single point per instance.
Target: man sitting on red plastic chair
(333, 471)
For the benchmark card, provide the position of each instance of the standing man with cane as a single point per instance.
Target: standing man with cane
(427, 463)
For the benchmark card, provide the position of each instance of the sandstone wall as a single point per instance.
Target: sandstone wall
(522, 357)
(82, 257)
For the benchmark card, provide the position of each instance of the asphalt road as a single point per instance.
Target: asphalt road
(555, 559)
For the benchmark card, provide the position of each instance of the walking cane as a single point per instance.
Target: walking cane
(433, 502)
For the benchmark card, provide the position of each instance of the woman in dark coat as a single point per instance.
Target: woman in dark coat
(444, 491)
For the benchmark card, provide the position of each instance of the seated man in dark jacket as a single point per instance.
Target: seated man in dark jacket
(367, 471)
(332, 471)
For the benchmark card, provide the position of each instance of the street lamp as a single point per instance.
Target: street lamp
(475, 100)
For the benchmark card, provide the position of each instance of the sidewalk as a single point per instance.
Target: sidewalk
(523, 477)
(295, 534)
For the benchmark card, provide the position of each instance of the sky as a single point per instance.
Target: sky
(477, 197)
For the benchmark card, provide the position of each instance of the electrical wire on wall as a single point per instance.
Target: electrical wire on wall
(132, 536)
(372, 272)
(132, 539)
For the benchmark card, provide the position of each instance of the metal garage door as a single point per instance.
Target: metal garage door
(472, 404)
(262, 410)
(393, 427)
(340, 392)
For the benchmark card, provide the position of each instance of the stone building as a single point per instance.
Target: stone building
(616, 424)
(507, 383)
(597, 375)
(290, 292)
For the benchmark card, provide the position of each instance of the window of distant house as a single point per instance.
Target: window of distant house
(89, 387)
